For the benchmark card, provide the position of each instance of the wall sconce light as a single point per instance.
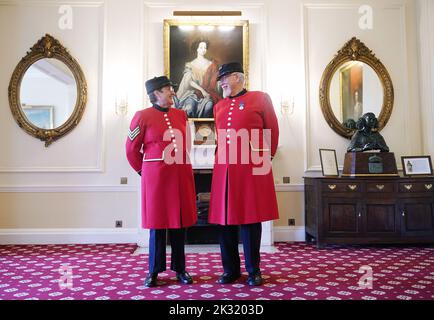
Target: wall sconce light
(287, 105)
(121, 105)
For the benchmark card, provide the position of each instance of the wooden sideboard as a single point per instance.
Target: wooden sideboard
(369, 210)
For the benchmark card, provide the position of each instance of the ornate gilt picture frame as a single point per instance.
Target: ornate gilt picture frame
(355, 51)
(47, 48)
(193, 51)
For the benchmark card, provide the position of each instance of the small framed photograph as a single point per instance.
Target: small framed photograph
(329, 162)
(204, 132)
(417, 165)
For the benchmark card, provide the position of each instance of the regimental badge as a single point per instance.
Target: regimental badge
(132, 134)
(241, 106)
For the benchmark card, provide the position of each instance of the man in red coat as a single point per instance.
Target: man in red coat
(242, 191)
(156, 148)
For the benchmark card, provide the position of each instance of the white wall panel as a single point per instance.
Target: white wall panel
(425, 12)
(21, 26)
(327, 28)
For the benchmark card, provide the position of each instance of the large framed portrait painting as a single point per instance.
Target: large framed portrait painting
(193, 52)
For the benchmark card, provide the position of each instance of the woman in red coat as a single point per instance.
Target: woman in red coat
(242, 192)
(156, 148)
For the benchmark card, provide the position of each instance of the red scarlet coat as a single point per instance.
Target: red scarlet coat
(168, 192)
(250, 198)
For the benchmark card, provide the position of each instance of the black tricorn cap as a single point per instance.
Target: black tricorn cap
(229, 68)
(157, 83)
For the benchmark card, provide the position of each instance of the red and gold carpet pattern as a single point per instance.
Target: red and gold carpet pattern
(298, 271)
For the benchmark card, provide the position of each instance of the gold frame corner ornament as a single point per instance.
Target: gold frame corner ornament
(355, 50)
(47, 47)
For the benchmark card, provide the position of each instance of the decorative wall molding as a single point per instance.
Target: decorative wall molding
(209, 6)
(426, 52)
(317, 168)
(53, 3)
(305, 7)
(67, 189)
(111, 235)
(98, 167)
(289, 187)
(67, 236)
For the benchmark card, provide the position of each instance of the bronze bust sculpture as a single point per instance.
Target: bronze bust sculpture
(367, 136)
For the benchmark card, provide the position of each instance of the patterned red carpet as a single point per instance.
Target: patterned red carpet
(297, 271)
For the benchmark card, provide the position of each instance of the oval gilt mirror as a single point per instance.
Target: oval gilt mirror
(355, 82)
(47, 91)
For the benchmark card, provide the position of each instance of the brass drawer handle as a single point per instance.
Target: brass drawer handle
(332, 186)
(408, 186)
(428, 186)
(380, 186)
(352, 186)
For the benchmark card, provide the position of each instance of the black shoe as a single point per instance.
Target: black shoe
(151, 280)
(184, 277)
(228, 278)
(254, 279)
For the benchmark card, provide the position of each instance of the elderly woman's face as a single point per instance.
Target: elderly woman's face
(201, 49)
(165, 96)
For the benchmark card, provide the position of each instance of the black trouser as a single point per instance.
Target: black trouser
(251, 238)
(157, 250)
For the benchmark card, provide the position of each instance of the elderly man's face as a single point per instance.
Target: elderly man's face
(229, 84)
